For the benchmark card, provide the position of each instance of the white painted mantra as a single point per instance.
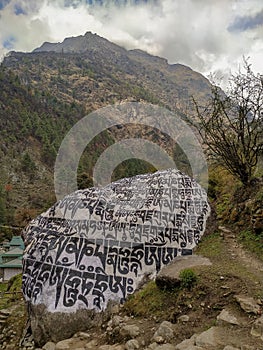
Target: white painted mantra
(95, 245)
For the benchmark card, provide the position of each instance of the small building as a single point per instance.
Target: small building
(11, 258)
(17, 241)
(11, 254)
(11, 268)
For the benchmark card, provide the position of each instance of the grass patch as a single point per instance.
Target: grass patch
(211, 246)
(163, 304)
(15, 283)
(252, 242)
(152, 301)
(3, 287)
(13, 286)
(215, 248)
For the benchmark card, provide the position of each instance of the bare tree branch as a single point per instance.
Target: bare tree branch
(231, 126)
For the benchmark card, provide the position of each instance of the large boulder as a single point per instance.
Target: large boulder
(95, 246)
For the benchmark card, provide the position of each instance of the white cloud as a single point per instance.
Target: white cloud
(192, 32)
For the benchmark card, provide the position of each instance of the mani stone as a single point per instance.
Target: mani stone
(94, 247)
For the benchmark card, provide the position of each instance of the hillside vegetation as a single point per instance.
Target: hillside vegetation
(44, 93)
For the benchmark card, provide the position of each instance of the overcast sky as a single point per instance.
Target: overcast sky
(207, 35)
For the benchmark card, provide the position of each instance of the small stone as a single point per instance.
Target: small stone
(91, 345)
(5, 312)
(248, 304)
(209, 338)
(116, 320)
(130, 331)
(64, 344)
(183, 318)
(225, 316)
(187, 344)
(224, 287)
(225, 230)
(118, 347)
(28, 344)
(49, 346)
(152, 346)
(105, 347)
(229, 347)
(82, 335)
(132, 344)
(165, 330)
(165, 347)
(159, 339)
(257, 328)
(115, 309)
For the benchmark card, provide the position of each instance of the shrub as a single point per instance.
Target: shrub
(188, 278)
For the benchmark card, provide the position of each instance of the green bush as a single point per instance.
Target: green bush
(15, 283)
(188, 278)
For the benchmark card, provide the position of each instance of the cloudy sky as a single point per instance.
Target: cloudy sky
(207, 35)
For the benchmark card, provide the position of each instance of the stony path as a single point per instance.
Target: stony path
(236, 251)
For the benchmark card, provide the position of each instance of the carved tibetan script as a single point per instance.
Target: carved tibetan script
(96, 245)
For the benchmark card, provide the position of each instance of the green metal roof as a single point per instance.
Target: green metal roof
(17, 251)
(13, 263)
(17, 241)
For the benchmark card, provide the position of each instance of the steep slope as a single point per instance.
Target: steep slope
(45, 92)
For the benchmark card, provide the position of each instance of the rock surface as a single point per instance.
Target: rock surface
(209, 339)
(164, 332)
(168, 277)
(248, 304)
(257, 328)
(95, 246)
(225, 316)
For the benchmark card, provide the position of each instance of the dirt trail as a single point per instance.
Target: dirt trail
(237, 252)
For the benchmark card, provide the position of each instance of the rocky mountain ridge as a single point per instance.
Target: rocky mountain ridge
(44, 93)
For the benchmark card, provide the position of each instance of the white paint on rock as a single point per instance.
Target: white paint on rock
(96, 245)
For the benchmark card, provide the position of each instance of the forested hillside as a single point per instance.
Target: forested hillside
(45, 92)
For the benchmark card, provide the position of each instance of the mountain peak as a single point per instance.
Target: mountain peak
(80, 44)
